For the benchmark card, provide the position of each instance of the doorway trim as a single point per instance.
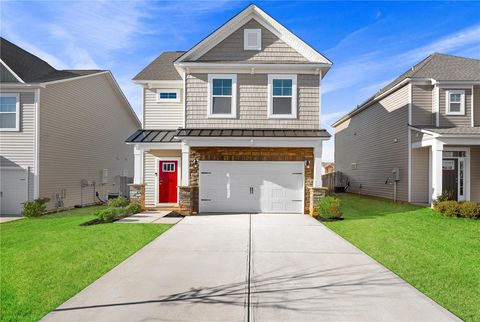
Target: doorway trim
(467, 170)
(157, 172)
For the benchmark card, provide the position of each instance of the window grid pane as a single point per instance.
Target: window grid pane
(167, 95)
(222, 87)
(8, 120)
(8, 104)
(282, 87)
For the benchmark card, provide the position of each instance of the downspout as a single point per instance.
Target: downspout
(36, 162)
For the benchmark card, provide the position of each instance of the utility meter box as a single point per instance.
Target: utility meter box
(104, 176)
(396, 174)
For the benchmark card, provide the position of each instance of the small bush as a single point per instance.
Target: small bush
(469, 209)
(133, 208)
(108, 215)
(329, 207)
(118, 202)
(446, 196)
(35, 208)
(449, 208)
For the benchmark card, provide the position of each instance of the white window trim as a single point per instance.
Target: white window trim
(258, 33)
(17, 113)
(462, 102)
(293, 114)
(233, 112)
(168, 100)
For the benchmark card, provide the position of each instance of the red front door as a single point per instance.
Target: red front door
(168, 181)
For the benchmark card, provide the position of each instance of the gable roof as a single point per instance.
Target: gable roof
(437, 67)
(27, 68)
(253, 12)
(161, 68)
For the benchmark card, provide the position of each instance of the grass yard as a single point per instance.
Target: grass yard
(439, 256)
(45, 261)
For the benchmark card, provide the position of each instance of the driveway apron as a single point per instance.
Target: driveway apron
(249, 268)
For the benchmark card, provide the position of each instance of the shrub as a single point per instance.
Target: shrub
(108, 215)
(329, 207)
(469, 209)
(118, 202)
(445, 196)
(35, 208)
(133, 208)
(449, 208)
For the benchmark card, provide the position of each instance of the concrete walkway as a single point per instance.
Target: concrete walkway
(150, 217)
(8, 218)
(250, 268)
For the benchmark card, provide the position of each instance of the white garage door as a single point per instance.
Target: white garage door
(13, 190)
(250, 186)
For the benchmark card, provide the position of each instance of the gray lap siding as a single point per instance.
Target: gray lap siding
(377, 141)
(252, 97)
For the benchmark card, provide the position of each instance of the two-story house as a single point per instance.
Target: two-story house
(418, 137)
(233, 124)
(62, 133)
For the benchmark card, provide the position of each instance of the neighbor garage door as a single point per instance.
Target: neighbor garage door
(250, 186)
(13, 190)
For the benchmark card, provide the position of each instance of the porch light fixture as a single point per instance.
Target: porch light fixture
(195, 163)
(307, 164)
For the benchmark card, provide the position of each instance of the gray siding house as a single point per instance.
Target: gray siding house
(58, 127)
(233, 124)
(426, 125)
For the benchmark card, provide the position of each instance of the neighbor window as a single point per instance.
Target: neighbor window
(456, 102)
(9, 112)
(168, 95)
(282, 101)
(222, 95)
(252, 39)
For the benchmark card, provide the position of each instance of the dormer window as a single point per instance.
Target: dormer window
(456, 102)
(252, 39)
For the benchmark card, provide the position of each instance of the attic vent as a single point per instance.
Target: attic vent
(252, 39)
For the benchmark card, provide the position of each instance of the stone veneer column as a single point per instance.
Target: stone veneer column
(137, 193)
(316, 194)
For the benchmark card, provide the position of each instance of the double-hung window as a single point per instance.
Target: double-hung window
(456, 102)
(168, 95)
(9, 112)
(282, 96)
(222, 95)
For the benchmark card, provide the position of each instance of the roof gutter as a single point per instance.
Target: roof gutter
(240, 65)
(368, 103)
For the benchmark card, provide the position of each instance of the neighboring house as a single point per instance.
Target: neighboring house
(426, 124)
(58, 127)
(328, 167)
(233, 124)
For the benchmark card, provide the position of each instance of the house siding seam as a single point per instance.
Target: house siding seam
(422, 105)
(160, 115)
(475, 173)
(368, 139)
(420, 174)
(84, 124)
(252, 100)
(273, 49)
(456, 120)
(18, 147)
(476, 105)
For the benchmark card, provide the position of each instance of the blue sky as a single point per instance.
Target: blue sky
(370, 43)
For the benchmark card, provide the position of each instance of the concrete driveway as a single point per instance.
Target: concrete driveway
(250, 268)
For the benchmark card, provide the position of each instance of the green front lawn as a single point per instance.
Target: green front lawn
(439, 256)
(45, 261)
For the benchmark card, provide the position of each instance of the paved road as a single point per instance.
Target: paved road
(250, 268)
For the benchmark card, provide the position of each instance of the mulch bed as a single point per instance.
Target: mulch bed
(328, 219)
(97, 222)
(173, 214)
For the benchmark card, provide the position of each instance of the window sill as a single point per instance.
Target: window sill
(221, 116)
(283, 116)
(9, 130)
(456, 113)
